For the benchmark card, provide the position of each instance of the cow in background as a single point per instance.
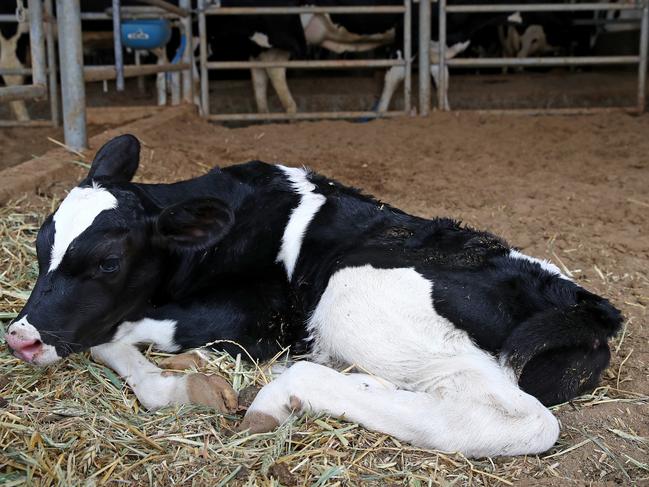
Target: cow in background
(13, 47)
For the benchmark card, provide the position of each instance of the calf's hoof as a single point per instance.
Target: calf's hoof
(258, 422)
(212, 391)
(184, 361)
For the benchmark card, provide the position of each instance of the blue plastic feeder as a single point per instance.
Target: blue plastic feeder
(145, 33)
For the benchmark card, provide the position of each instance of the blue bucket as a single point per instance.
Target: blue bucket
(145, 33)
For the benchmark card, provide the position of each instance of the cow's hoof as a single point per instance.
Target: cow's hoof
(212, 391)
(258, 422)
(184, 361)
(247, 395)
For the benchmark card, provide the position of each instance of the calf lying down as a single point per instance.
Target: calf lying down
(464, 340)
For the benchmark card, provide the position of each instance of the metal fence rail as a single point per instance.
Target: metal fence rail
(205, 66)
(74, 74)
(640, 59)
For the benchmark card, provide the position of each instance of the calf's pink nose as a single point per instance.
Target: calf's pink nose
(23, 349)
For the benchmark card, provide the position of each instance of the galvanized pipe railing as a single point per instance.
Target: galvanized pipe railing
(640, 59)
(52, 63)
(376, 9)
(188, 54)
(424, 57)
(407, 54)
(157, 10)
(542, 61)
(72, 86)
(117, 45)
(538, 7)
(109, 72)
(442, 84)
(642, 65)
(169, 7)
(205, 66)
(327, 64)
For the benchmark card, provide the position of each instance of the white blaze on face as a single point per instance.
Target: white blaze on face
(76, 213)
(300, 218)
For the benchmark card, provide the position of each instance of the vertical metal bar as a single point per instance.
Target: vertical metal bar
(37, 42)
(174, 79)
(407, 54)
(117, 44)
(188, 54)
(202, 32)
(424, 57)
(140, 79)
(52, 64)
(72, 85)
(442, 84)
(642, 65)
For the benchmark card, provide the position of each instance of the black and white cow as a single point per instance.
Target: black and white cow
(13, 54)
(463, 338)
(283, 37)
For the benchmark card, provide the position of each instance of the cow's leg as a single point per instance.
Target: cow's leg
(161, 78)
(9, 59)
(260, 87)
(156, 388)
(278, 78)
(477, 416)
(393, 78)
(434, 71)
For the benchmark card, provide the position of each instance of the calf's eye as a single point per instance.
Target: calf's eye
(111, 264)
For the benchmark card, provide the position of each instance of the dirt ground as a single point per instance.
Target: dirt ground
(574, 190)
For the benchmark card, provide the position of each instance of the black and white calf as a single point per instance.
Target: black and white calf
(462, 339)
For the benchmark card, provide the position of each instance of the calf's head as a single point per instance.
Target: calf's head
(104, 253)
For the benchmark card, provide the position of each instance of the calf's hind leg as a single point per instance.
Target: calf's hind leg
(476, 419)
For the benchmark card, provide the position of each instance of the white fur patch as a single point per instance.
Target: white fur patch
(546, 265)
(261, 40)
(451, 51)
(300, 218)
(75, 215)
(152, 388)
(442, 390)
(25, 331)
(383, 320)
(147, 330)
(515, 18)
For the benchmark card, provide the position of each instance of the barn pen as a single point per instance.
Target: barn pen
(43, 70)
(640, 59)
(406, 62)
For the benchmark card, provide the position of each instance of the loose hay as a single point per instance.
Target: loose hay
(76, 423)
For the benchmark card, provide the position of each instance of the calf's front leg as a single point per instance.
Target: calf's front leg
(156, 388)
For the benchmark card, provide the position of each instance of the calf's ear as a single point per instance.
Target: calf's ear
(196, 223)
(117, 160)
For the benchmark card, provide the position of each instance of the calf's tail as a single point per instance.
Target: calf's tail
(560, 353)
